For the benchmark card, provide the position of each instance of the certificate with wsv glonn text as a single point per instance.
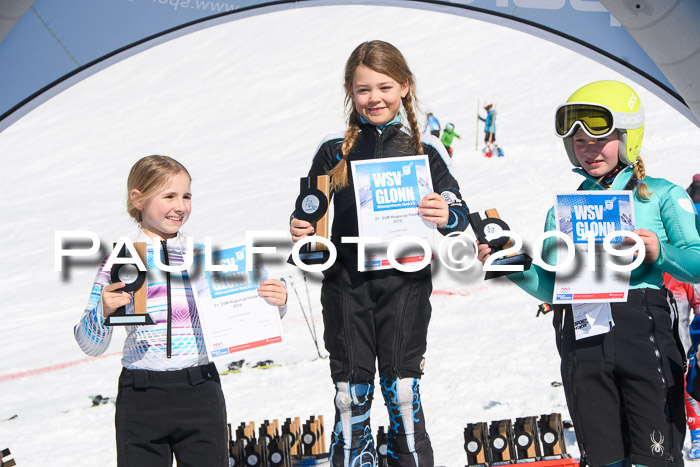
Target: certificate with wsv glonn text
(387, 193)
(232, 314)
(588, 217)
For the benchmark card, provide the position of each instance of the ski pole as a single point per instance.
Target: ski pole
(311, 312)
(476, 140)
(313, 335)
(493, 124)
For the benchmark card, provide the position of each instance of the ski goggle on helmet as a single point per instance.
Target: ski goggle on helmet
(599, 108)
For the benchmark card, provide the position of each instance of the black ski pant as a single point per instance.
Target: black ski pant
(161, 413)
(625, 388)
(382, 319)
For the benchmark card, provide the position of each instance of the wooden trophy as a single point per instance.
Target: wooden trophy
(382, 448)
(527, 443)
(279, 452)
(136, 285)
(493, 224)
(310, 438)
(476, 444)
(552, 436)
(291, 430)
(251, 455)
(244, 443)
(312, 206)
(7, 460)
(501, 442)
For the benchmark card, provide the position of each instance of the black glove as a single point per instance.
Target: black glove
(544, 308)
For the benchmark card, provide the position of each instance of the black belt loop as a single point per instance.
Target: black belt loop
(199, 374)
(212, 372)
(140, 379)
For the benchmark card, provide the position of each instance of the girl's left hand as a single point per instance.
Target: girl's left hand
(273, 291)
(651, 244)
(434, 208)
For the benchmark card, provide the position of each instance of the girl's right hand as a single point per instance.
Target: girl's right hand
(300, 229)
(112, 298)
(483, 252)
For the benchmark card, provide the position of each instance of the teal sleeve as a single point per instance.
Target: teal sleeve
(537, 281)
(681, 256)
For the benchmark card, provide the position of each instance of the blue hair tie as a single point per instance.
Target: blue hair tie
(639, 182)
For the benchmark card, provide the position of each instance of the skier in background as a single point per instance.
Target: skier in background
(489, 130)
(448, 135)
(432, 126)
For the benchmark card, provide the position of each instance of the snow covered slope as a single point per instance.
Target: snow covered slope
(244, 105)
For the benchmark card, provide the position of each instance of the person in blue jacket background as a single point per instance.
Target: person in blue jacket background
(624, 388)
(433, 125)
(489, 124)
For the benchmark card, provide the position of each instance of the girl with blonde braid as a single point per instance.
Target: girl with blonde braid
(624, 387)
(378, 316)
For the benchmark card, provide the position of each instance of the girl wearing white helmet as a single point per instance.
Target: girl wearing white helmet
(624, 388)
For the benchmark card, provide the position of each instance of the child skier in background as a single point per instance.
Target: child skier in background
(624, 388)
(432, 125)
(378, 315)
(170, 399)
(449, 134)
(489, 129)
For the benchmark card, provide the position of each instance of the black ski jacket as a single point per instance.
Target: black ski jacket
(373, 143)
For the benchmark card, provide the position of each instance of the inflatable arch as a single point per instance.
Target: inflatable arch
(46, 46)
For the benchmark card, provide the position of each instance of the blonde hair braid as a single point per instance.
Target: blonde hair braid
(339, 173)
(640, 172)
(408, 103)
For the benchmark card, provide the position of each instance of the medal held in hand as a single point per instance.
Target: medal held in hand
(491, 226)
(312, 206)
(135, 284)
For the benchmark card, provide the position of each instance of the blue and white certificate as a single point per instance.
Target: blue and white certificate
(588, 218)
(387, 193)
(232, 314)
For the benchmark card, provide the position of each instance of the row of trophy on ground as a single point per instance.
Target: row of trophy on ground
(290, 444)
(504, 442)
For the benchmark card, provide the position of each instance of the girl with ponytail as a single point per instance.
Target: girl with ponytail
(379, 317)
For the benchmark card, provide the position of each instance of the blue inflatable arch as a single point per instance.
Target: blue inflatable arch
(46, 46)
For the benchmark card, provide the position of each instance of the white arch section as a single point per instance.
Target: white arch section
(558, 21)
(668, 32)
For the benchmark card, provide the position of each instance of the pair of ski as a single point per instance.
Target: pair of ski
(237, 366)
